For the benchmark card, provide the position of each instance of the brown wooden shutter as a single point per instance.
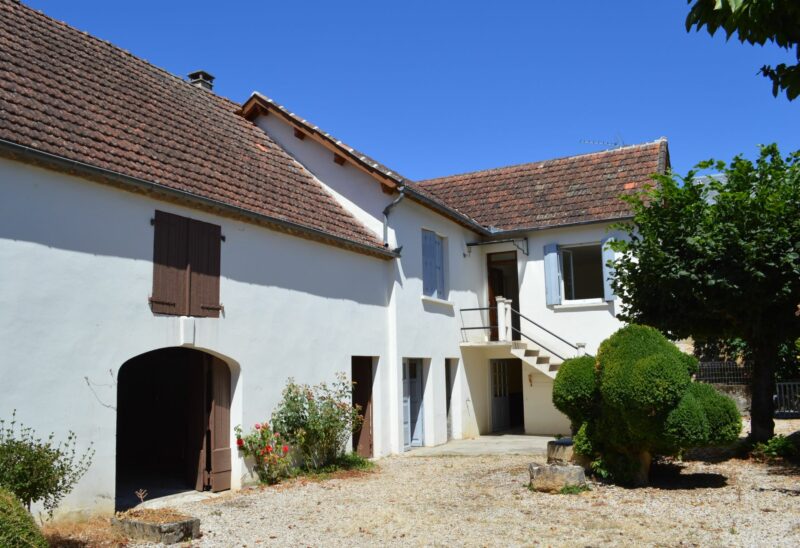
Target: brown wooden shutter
(204, 261)
(170, 260)
(220, 426)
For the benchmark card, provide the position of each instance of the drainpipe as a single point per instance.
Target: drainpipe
(386, 212)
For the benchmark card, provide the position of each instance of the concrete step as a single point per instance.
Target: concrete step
(532, 352)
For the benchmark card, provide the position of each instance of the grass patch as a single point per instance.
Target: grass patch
(574, 489)
(349, 462)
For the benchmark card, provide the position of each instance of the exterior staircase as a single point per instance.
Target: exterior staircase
(537, 357)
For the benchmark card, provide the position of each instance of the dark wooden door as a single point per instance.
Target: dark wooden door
(210, 448)
(219, 425)
(361, 375)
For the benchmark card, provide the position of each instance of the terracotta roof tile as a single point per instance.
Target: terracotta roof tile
(66, 93)
(565, 191)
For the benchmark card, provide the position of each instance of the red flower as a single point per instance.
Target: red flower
(258, 426)
(269, 448)
(277, 435)
(239, 442)
(285, 449)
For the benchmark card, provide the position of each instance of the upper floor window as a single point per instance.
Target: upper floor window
(186, 266)
(582, 272)
(433, 269)
(578, 273)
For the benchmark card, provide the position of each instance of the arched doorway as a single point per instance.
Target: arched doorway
(173, 424)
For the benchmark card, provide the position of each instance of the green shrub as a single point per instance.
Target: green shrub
(581, 443)
(724, 420)
(686, 425)
(36, 469)
(777, 447)
(642, 403)
(17, 528)
(317, 421)
(574, 389)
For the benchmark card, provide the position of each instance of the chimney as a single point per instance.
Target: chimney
(201, 79)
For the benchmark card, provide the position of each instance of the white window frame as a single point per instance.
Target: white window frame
(567, 248)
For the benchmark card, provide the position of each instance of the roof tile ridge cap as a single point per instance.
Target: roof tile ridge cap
(558, 158)
(109, 44)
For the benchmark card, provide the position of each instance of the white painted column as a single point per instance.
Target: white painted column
(502, 320)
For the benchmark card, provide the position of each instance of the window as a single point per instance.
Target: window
(577, 273)
(433, 274)
(186, 267)
(582, 272)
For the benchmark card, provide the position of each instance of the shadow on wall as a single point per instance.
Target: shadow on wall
(69, 214)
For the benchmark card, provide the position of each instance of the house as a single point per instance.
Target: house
(169, 258)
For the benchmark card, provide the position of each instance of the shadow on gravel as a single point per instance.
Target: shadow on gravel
(669, 476)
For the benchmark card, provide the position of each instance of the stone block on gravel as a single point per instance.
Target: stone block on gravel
(559, 451)
(552, 478)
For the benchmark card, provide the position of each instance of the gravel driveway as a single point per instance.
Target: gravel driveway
(482, 501)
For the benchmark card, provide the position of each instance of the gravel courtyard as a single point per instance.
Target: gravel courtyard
(484, 500)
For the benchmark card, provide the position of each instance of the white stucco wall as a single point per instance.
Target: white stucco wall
(75, 277)
(423, 328)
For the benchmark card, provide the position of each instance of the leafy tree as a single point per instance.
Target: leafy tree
(719, 258)
(756, 22)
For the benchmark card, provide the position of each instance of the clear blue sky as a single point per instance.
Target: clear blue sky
(434, 88)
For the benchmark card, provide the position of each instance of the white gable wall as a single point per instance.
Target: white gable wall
(75, 276)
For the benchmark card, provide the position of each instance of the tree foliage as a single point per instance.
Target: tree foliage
(637, 401)
(719, 258)
(756, 22)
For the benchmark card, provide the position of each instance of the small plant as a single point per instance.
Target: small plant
(778, 447)
(573, 489)
(318, 420)
(36, 469)
(141, 494)
(269, 452)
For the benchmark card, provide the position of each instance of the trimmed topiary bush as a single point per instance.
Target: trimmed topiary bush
(636, 400)
(574, 387)
(17, 528)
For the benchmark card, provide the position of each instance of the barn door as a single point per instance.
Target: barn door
(219, 427)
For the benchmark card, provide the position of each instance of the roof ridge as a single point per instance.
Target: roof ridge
(658, 141)
(111, 45)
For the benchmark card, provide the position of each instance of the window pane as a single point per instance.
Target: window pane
(583, 274)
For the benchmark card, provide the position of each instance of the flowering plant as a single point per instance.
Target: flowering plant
(270, 454)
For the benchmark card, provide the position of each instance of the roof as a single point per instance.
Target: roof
(259, 104)
(561, 192)
(72, 101)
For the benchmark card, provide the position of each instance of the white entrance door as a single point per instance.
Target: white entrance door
(501, 419)
(412, 403)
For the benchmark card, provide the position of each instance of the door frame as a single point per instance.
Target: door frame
(492, 298)
(406, 383)
(366, 446)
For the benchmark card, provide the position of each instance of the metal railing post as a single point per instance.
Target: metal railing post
(581, 349)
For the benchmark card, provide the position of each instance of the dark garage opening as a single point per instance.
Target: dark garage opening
(172, 414)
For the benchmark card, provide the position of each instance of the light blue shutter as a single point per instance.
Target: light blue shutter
(552, 276)
(428, 263)
(439, 258)
(608, 272)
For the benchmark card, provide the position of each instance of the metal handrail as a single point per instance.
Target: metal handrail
(482, 308)
(543, 329)
(553, 352)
